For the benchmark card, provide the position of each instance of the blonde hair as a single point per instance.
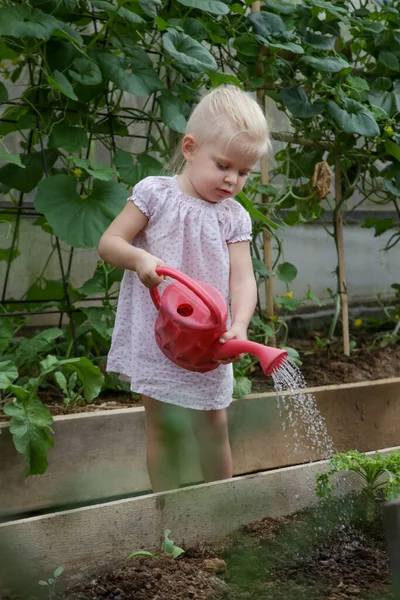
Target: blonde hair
(229, 114)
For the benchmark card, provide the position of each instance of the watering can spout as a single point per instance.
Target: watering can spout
(271, 359)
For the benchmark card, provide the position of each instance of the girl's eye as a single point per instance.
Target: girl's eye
(243, 174)
(222, 167)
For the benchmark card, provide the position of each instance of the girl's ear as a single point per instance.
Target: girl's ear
(189, 147)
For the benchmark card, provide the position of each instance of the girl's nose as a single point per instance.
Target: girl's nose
(231, 177)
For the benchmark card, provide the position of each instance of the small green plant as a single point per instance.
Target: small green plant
(51, 582)
(379, 472)
(168, 547)
(73, 397)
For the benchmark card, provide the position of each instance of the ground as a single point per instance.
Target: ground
(318, 554)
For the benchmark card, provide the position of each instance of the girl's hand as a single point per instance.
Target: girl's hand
(237, 331)
(146, 270)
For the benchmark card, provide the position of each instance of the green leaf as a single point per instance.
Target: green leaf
(266, 23)
(173, 112)
(24, 22)
(380, 225)
(241, 387)
(49, 364)
(284, 8)
(17, 119)
(30, 429)
(131, 174)
(188, 54)
(5, 254)
(254, 212)
(212, 6)
(85, 71)
(89, 374)
(8, 373)
(217, 79)
(3, 93)
(43, 583)
(293, 355)
(79, 222)
(103, 279)
(353, 118)
(50, 292)
(392, 149)
(329, 64)
(100, 319)
(314, 298)
(61, 382)
(392, 187)
(260, 268)
(61, 84)
(286, 272)
(141, 81)
(14, 159)
(128, 15)
(69, 34)
(247, 45)
(71, 138)
(26, 180)
(357, 83)
(296, 100)
(58, 572)
(289, 303)
(169, 547)
(6, 333)
(29, 348)
(389, 59)
(95, 169)
(389, 102)
(289, 46)
(260, 324)
(319, 42)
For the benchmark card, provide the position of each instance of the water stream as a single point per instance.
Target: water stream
(299, 411)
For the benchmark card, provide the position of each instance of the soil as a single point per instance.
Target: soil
(328, 366)
(327, 553)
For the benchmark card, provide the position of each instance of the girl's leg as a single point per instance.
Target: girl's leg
(163, 435)
(211, 430)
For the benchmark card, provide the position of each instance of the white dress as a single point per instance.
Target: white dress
(191, 235)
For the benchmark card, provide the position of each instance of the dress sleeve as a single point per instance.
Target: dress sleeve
(240, 226)
(143, 196)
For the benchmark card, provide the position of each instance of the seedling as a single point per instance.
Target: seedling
(168, 547)
(51, 582)
(378, 472)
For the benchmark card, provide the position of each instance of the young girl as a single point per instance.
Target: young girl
(190, 222)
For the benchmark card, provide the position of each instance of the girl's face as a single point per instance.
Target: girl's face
(213, 170)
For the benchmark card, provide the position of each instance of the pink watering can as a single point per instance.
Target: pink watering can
(192, 317)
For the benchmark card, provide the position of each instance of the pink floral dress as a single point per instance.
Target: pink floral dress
(191, 235)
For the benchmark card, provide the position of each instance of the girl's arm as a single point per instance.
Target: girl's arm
(116, 248)
(243, 291)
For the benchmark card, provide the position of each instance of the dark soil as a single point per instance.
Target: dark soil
(328, 366)
(327, 553)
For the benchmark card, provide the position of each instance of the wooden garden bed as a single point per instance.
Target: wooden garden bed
(101, 456)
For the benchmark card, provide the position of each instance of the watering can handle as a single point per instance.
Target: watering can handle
(192, 285)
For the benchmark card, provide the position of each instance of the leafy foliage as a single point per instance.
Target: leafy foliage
(379, 472)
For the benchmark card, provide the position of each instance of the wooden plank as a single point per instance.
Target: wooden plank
(101, 455)
(94, 537)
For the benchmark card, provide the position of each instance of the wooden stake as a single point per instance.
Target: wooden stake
(340, 256)
(267, 240)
